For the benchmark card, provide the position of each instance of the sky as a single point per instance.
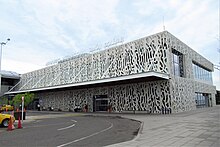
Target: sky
(45, 30)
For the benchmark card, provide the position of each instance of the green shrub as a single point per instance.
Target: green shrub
(17, 100)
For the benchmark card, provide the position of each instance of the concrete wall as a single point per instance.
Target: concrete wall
(183, 89)
(150, 97)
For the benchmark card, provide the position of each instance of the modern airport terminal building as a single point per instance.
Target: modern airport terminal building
(155, 74)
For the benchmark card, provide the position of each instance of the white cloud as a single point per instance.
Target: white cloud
(187, 19)
(193, 22)
(82, 17)
(50, 29)
(19, 66)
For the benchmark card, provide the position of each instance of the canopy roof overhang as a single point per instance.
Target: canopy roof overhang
(141, 77)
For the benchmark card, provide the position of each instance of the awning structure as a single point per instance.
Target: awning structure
(149, 76)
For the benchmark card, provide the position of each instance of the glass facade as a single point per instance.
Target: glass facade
(201, 73)
(202, 100)
(177, 63)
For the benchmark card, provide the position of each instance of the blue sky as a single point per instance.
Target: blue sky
(43, 30)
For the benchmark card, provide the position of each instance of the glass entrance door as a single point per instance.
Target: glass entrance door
(100, 103)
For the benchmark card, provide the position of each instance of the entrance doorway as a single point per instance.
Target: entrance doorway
(202, 100)
(100, 103)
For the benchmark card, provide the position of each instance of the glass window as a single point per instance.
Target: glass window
(201, 73)
(177, 63)
(175, 58)
(201, 100)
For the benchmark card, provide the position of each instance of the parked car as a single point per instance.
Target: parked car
(7, 107)
(4, 119)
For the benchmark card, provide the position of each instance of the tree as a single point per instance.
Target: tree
(3, 100)
(17, 100)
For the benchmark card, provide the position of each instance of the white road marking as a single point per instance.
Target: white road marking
(74, 121)
(66, 127)
(37, 121)
(86, 136)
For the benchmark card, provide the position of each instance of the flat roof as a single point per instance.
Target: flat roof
(9, 74)
(152, 74)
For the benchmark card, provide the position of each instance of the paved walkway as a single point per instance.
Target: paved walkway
(195, 128)
(199, 128)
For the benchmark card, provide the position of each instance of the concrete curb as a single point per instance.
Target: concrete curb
(121, 144)
(139, 131)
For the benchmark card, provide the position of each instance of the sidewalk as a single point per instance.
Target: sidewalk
(188, 129)
(195, 128)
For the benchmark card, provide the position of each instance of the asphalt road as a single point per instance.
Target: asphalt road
(71, 131)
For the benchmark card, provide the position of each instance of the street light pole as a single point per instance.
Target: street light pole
(2, 44)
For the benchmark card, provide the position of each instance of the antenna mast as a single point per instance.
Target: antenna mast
(163, 25)
(219, 36)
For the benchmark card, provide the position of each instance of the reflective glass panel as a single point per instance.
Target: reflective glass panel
(201, 73)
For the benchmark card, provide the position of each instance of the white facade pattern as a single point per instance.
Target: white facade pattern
(149, 54)
(143, 55)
